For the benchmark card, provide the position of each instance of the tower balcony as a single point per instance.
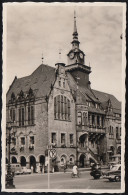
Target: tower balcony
(96, 129)
(91, 129)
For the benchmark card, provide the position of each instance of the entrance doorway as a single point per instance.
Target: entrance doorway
(33, 163)
(42, 162)
(82, 160)
(14, 160)
(23, 161)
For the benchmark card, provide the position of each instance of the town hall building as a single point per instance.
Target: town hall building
(56, 107)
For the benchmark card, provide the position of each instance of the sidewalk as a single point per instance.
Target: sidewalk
(67, 171)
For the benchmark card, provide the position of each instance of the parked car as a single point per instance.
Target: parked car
(96, 171)
(25, 170)
(115, 159)
(16, 169)
(114, 174)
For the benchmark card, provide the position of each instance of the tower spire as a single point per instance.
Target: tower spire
(75, 28)
(75, 42)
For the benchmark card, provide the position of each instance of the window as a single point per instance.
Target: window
(111, 133)
(71, 139)
(53, 138)
(68, 109)
(62, 108)
(88, 104)
(22, 140)
(14, 141)
(30, 115)
(84, 121)
(32, 140)
(21, 117)
(92, 144)
(63, 160)
(117, 133)
(93, 120)
(12, 115)
(60, 83)
(79, 118)
(62, 138)
(98, 121)
(90, 119)
(120, 132)
(102, 121)
(71, 159)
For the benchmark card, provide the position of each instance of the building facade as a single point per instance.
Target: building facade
(56, 107)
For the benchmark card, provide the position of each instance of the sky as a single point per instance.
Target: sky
(33, 29)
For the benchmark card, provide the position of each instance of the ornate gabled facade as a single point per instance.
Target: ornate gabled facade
(57, 107)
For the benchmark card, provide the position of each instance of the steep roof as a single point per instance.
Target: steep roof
(40, 82)
(105, 97)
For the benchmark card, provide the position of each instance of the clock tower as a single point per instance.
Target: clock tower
(76, 61)
(75, 55)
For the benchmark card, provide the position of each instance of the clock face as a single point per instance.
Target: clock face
(81, 56)
(71, 55)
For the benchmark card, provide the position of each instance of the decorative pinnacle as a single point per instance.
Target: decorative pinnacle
(42, 58)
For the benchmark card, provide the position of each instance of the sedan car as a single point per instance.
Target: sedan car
(114, 174)
(26, 171)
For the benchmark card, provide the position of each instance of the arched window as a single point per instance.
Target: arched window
(21, 116)
(61, 108)
(111, 133)
(30, 115)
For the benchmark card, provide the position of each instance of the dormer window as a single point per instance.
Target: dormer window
(13, 97)
(59, 83)
(21, 94)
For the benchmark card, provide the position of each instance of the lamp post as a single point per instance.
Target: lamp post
(9, 177)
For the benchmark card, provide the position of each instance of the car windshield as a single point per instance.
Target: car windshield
(114, 168)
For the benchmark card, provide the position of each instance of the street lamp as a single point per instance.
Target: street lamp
(9, 177)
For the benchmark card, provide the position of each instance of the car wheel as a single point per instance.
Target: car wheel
(117, 178)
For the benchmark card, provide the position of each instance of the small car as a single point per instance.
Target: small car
(25, 170)
(16, 169)
(114, 174)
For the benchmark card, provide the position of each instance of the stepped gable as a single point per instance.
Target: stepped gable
(39, 81)
(105, 97)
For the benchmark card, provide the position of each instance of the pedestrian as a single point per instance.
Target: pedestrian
(75, 170)
(64, 168)
(32, 169)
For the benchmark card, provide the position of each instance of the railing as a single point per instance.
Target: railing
(96, 130)
(91, 128)
(93, 155)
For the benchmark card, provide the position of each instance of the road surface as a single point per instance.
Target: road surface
(63, 181)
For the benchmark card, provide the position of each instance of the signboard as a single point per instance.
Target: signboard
(52, 153)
